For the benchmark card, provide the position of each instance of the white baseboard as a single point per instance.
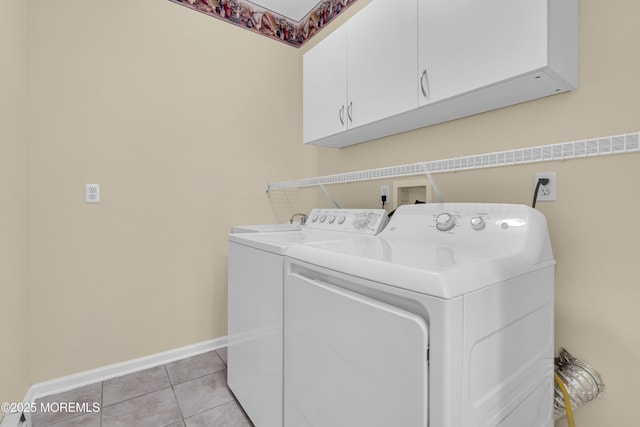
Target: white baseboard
(12, 420)
(62, 384)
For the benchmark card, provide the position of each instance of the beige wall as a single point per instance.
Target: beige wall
(180, 118)
(14, 201)
(594, 236)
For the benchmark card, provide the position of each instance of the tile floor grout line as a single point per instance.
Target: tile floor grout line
(75, 415)
(101, 401)
(207, 409)
(234, 400)
(197, 378)
(175, 397)
(140, 395)
(64, 420)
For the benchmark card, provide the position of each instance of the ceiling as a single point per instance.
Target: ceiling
(292, 9)
(292, 22)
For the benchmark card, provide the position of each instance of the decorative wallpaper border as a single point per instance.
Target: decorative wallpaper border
(252, 17)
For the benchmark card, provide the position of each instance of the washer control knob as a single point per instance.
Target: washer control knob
(323, 218)
(445, 222)
(331, 219)
(314, 218)
(477, 222)
(341, 219)
(361, 221)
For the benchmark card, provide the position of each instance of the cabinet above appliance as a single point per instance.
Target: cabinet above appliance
(431, 61)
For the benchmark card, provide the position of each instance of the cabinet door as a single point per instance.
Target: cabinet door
(325, 87)
(469, 44)
(382, 63)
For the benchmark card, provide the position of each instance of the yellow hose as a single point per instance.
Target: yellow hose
(567, 402)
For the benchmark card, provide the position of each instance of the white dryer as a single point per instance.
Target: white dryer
(445, 319)
(255, 303)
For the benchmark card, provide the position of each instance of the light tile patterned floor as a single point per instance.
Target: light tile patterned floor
(191, 392)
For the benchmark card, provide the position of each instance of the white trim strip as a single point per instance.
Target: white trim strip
(617, 144)
(104, 373)
(12, 420)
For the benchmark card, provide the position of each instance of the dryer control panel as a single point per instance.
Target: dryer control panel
(365, 221)
(463, 233)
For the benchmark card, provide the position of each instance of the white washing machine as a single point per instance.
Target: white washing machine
(255, 304)
(445, 319)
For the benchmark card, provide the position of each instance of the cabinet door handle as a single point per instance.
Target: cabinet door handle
(424, 78)
(349, 110)
(341, 115)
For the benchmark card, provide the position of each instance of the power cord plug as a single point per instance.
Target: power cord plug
(541, 181)
(384, 200)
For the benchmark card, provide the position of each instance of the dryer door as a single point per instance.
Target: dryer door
(351, 360)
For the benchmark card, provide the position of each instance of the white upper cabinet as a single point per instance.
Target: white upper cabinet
(468, 44)
(362, 72)
(414, 63)
(382, 43)
(325, 87)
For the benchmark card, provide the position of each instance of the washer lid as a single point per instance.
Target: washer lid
(280, 242)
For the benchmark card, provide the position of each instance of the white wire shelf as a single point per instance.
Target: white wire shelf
(618, 144)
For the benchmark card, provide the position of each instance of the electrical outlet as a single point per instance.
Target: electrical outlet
(546, 193)
(92, 193)
(384, 191)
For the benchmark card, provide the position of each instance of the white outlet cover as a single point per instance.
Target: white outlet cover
(92, 193)
(546, 193)
(386, 191)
